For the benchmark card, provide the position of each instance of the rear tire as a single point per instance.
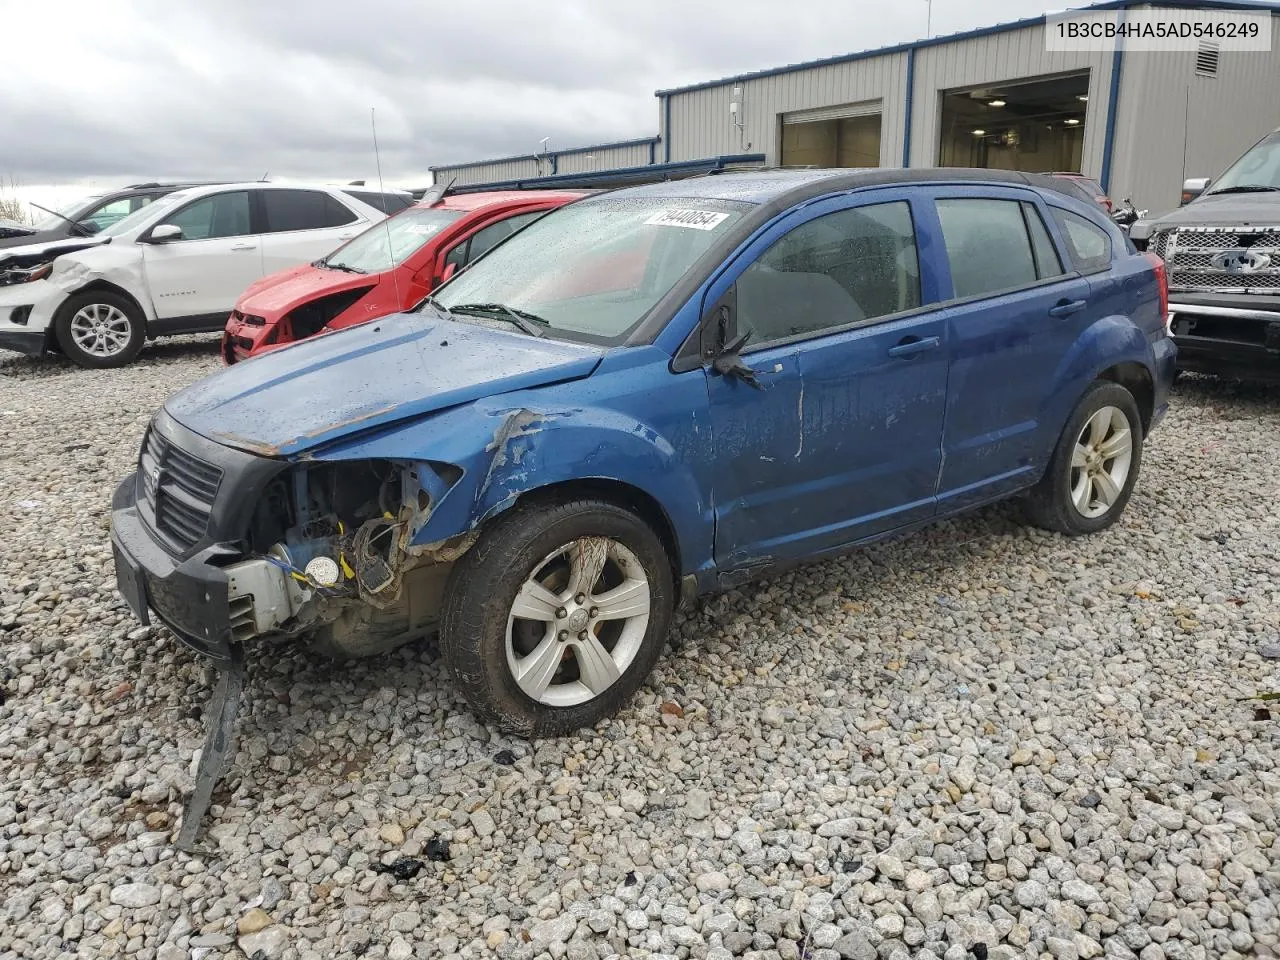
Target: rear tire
(557, 615)
(100, 329)
(1094, 467)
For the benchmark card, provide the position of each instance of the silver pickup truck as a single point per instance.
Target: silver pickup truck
(1222, 252)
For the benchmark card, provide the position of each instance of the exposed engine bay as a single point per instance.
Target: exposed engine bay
(331, 557)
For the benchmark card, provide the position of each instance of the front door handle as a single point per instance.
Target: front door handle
(1065, 308)
(244, 246)
(910, 346)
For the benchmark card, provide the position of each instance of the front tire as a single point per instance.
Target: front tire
(557, 615)
(1095, 465)
(100, 329)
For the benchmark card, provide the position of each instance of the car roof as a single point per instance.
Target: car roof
(765, 186)
(493, 198)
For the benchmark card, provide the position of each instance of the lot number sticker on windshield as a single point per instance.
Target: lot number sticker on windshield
(422, 229)
(693, 219)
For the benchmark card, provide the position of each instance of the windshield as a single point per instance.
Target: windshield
(385, 244)
(68, 210)
(593, 269)
(1260, 167)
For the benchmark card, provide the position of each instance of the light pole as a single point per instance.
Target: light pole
(928, 20)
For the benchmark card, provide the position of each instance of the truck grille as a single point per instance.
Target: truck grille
(1220, 259)
(179, 488)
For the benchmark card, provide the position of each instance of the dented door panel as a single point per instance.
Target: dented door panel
(872, 428)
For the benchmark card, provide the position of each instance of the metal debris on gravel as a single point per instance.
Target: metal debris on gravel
(983, 740)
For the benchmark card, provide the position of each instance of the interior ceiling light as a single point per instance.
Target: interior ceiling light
(979, 133)
(1072, 122)
(996, 103)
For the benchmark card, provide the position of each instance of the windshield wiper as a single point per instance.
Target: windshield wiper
(79, 228)
(344, 267)
(431, 301)
(1247, 188)
(530, 323)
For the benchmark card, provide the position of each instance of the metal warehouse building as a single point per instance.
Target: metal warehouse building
(1138, 122)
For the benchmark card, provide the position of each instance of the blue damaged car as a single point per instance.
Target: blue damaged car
(641, 397)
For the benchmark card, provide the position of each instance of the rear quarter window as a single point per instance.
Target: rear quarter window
(1088, 245)
(292, 210)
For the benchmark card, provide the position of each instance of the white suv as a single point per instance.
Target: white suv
(175, 266)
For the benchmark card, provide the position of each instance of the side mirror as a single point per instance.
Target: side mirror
(449, 270)
(1193, 188)
(165, 233)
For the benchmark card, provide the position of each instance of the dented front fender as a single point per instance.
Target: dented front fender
(479, 459)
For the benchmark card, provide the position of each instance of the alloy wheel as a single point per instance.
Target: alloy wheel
(578, 622)
(101, 330)
(1100, 462)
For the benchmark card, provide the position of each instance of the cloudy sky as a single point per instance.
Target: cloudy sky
(100, 93)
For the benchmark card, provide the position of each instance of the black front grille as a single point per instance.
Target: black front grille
(179, 488)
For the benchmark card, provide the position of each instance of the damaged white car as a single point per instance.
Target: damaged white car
(175, 266)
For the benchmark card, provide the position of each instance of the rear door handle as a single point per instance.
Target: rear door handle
(244, 246)
(1064, 308)
(913, 345)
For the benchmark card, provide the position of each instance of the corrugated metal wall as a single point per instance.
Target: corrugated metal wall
(609, 158)
(1160, 93)
(605, 157)
(701, 125)
(486, 172)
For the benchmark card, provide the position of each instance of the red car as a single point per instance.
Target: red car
(388, 268)
(1089, 186)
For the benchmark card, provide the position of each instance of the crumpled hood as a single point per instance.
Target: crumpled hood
(1229, 209)
(338, 384)
(271, 279)
(276, 295)
(30, 253)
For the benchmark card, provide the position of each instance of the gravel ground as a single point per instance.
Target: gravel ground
(982, 741)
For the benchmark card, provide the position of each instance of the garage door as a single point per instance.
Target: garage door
(839, 136)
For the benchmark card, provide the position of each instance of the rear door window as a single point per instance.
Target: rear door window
(988, 246)
(1048, 263)
(290, 210)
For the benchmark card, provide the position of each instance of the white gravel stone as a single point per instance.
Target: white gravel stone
(1047, 754)
(1031, 894)
(713, 882)
(270, 943)
(482, 823)
(135, 895)
(697, 804)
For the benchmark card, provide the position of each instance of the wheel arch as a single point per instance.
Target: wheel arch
(617, 492)
(1137, 379)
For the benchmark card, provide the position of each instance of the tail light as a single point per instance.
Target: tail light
(1162, 283)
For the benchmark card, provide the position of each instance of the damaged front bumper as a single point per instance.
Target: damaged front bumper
(26, 316)
(208, 604)
(225, 546)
